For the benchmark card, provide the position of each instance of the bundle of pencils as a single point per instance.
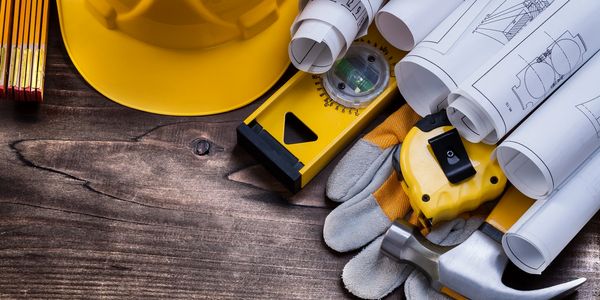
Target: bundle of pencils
(24, 32)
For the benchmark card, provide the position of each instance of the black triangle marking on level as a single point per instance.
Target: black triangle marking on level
(296, 132)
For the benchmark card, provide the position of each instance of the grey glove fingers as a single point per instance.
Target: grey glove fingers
(354, 223)
(441, 230)
(355, 170)
(417, 287)
(359, 220)
(372, 275)
(459, 235)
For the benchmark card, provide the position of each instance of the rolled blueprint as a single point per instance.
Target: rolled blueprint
(324, 30)
(404, 23)
(501, 93)
(557, 138)
(549, 225)
(467, 38)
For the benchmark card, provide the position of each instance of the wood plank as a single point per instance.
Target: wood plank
(102, 201)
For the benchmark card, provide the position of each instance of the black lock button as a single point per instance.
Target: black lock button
(452, 156)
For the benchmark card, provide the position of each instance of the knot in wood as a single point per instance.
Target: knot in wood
(201, 147)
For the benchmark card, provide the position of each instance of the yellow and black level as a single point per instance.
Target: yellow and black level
(311, 118)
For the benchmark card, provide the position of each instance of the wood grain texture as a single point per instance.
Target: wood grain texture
(101, 201)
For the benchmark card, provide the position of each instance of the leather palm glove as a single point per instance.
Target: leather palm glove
(367, 184)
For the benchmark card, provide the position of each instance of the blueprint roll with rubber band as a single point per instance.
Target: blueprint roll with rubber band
(557, 138)
(466, 39)
(537, 61)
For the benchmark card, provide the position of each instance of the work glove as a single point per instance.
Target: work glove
(369, 187)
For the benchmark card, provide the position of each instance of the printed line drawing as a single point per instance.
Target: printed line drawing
(550, 68)
(506, 20)
(438, 36)
(591, 110)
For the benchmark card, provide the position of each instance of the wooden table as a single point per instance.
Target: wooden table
(99, 200)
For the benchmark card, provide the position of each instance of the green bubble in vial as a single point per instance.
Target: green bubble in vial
(356, 74)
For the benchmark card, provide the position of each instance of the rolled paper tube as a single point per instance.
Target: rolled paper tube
(558, 137)
(323, 31)
(537, 61)
(466, 39)
(549, 225)
(404, 23)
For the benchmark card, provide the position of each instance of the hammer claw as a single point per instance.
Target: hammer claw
(473, 269)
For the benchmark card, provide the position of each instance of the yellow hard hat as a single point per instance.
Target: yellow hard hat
(179, 57)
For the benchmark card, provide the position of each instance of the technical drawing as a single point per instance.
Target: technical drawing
(591, 110)
(454, 26)
(549, 69)
(506, 20)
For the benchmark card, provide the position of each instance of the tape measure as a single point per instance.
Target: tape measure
(443, 174)
(311, 118)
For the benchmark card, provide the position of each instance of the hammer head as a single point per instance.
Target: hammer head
(473, 269)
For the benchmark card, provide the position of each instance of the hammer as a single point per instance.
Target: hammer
(474, 268)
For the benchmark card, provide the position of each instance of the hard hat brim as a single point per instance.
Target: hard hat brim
(181, 82)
